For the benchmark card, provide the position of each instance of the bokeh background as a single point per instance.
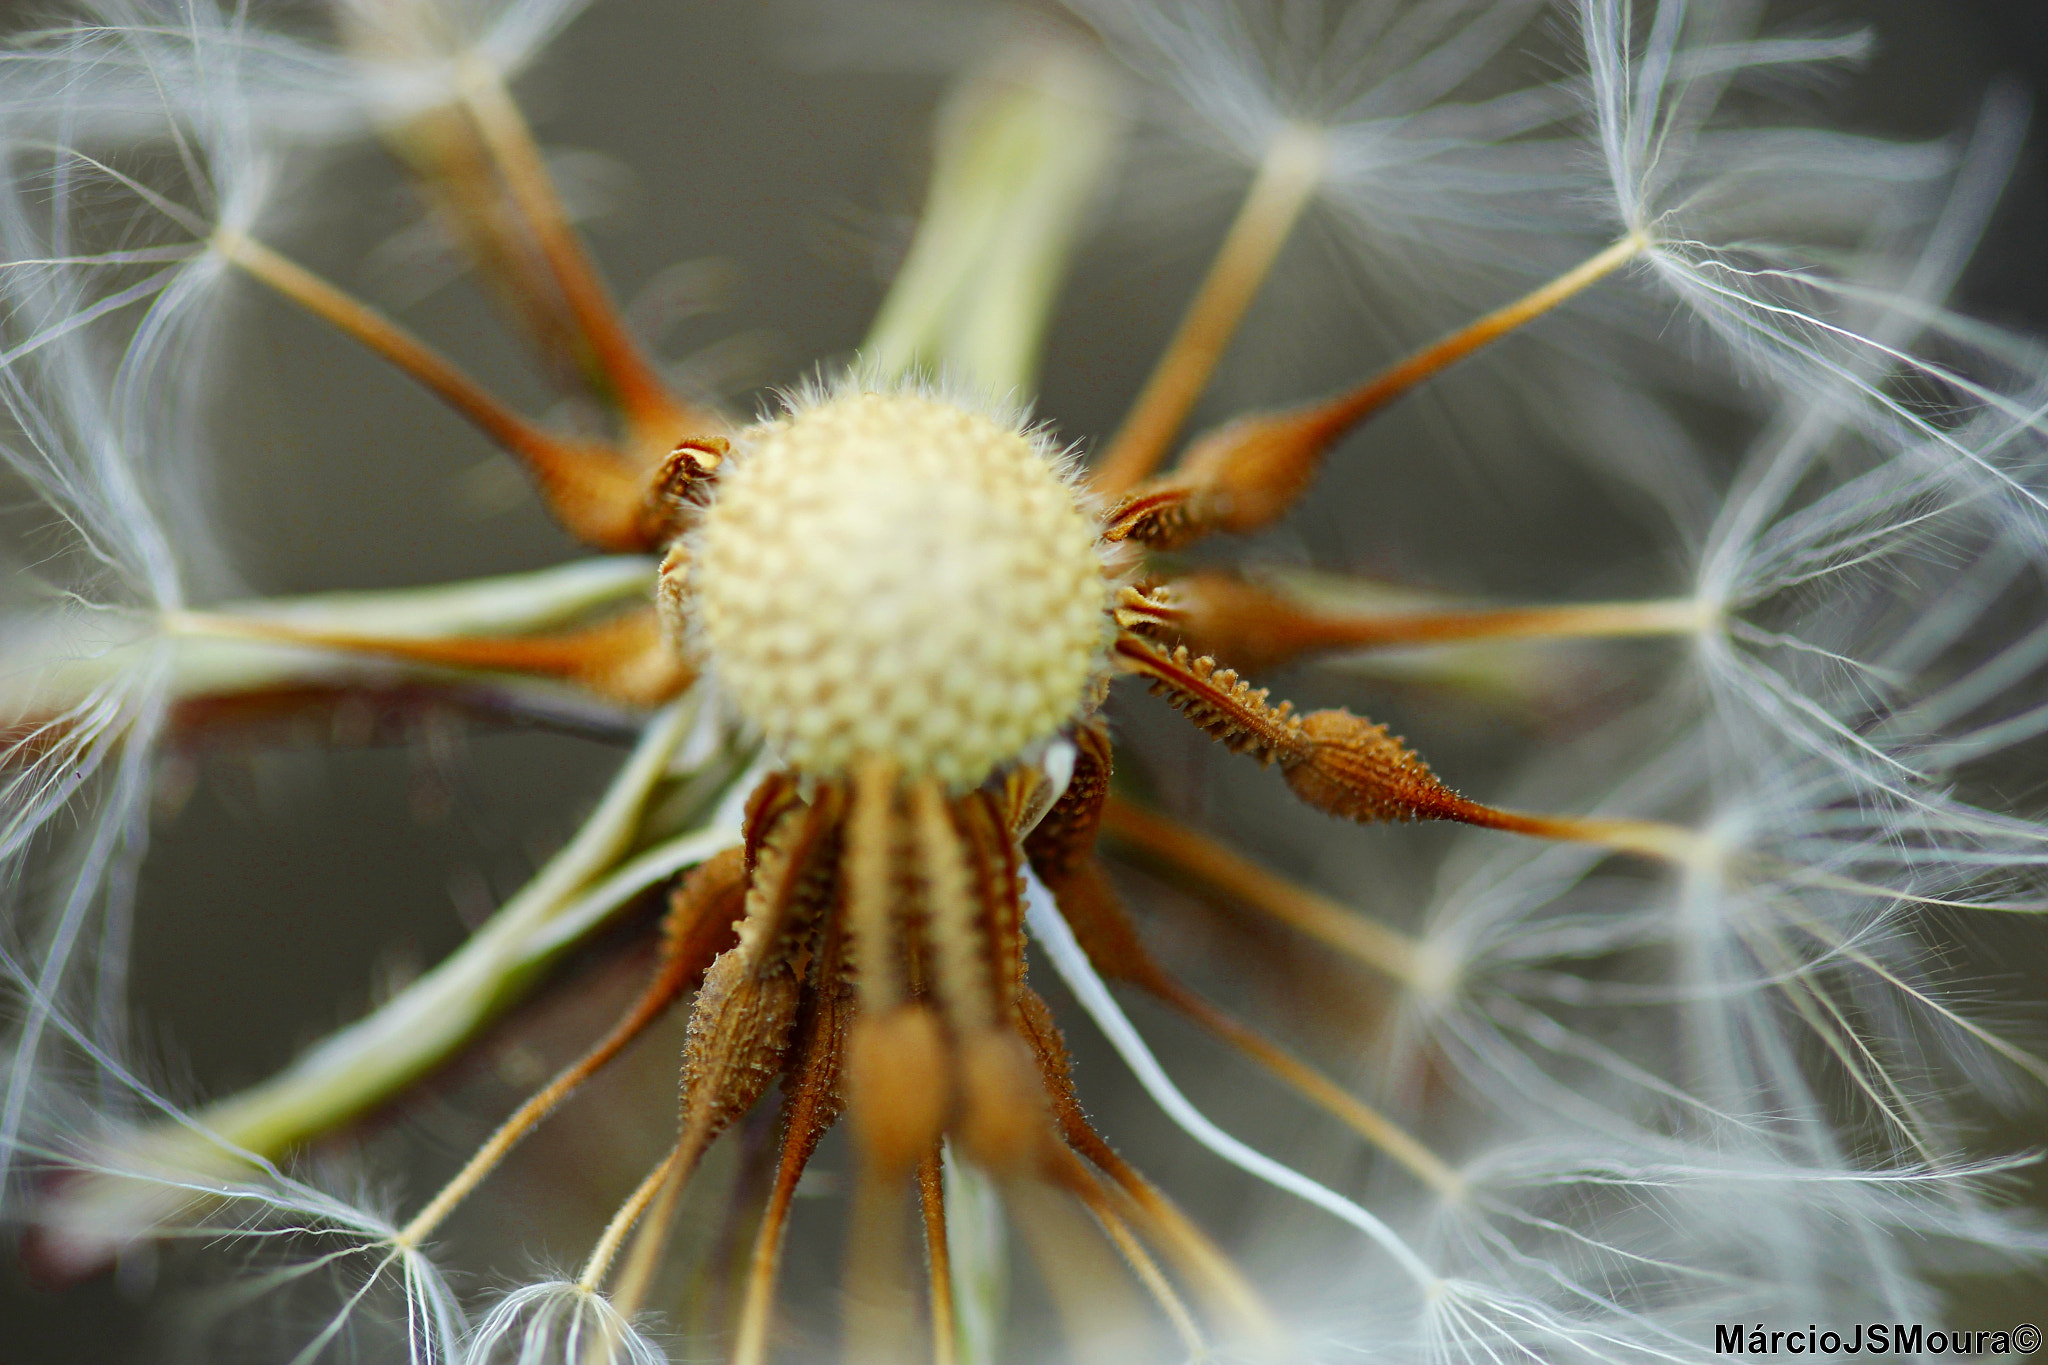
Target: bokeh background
(288, 888)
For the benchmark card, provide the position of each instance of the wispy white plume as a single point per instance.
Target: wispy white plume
(1740, 1080)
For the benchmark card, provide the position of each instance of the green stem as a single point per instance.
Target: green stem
(1021, 151)
(414, 1031)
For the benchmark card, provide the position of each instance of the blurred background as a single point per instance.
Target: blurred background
(288, 888)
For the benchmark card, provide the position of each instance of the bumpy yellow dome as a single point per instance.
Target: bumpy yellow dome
(890, 575)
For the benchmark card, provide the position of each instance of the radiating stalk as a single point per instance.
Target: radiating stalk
(1286, 181)
(368, 1061)
(1355, 406)
(634, 383)
(1375, 1127)
(1021, 150)
(595, 494)
(938, 1258)
(1329, 921)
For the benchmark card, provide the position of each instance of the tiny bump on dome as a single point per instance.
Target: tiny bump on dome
(889, 575)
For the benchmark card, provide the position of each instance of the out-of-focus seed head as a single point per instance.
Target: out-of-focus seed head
(895, 576)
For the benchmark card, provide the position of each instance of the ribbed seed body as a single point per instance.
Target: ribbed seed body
(894, 576)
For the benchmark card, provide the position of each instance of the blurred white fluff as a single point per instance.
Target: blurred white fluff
(1870, 556)
(1736, 1091)
(103, 469)
(99, 438)
(1733, 1091)
(1459, 172)
(1820, 261)
(127, 143)
(1680, 1097)
(142, 58)
(338, 1250)
(1379, 82)
(123, 145)
(552, 1321)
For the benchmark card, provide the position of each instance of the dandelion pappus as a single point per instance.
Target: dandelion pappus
(914, 606)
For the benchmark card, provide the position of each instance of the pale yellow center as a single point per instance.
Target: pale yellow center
(890, 576)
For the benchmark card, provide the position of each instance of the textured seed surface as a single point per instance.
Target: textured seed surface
(892, 576)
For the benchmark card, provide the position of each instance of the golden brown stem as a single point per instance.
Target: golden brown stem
(625, 659)
(1258, 627)
(931, 1193)
(1655, 839)
(881, 1305)
(740, 1023)
(596, 495)
(1250, 471)
(598, 1264)
(1192, 856)
(626, 375)
(952, 920)
(1198, 1258)
(1318, 1089)
(1333, 418)
(1078, 1181)
(698, 927)
(739, 1035)
(812, 1106)
(1286, 181)
(444, 149)
(1106, 934)
(871, 894)
(1347, 766)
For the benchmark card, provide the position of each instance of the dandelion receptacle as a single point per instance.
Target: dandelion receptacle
(1009, 926)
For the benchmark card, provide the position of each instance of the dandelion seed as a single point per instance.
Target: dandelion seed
(1664, 1031)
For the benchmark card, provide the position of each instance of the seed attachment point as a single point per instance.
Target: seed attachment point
(893, 576)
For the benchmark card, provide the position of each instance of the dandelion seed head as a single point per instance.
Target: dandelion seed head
(1610, 1100)
(891, 575)
(553, 1321)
